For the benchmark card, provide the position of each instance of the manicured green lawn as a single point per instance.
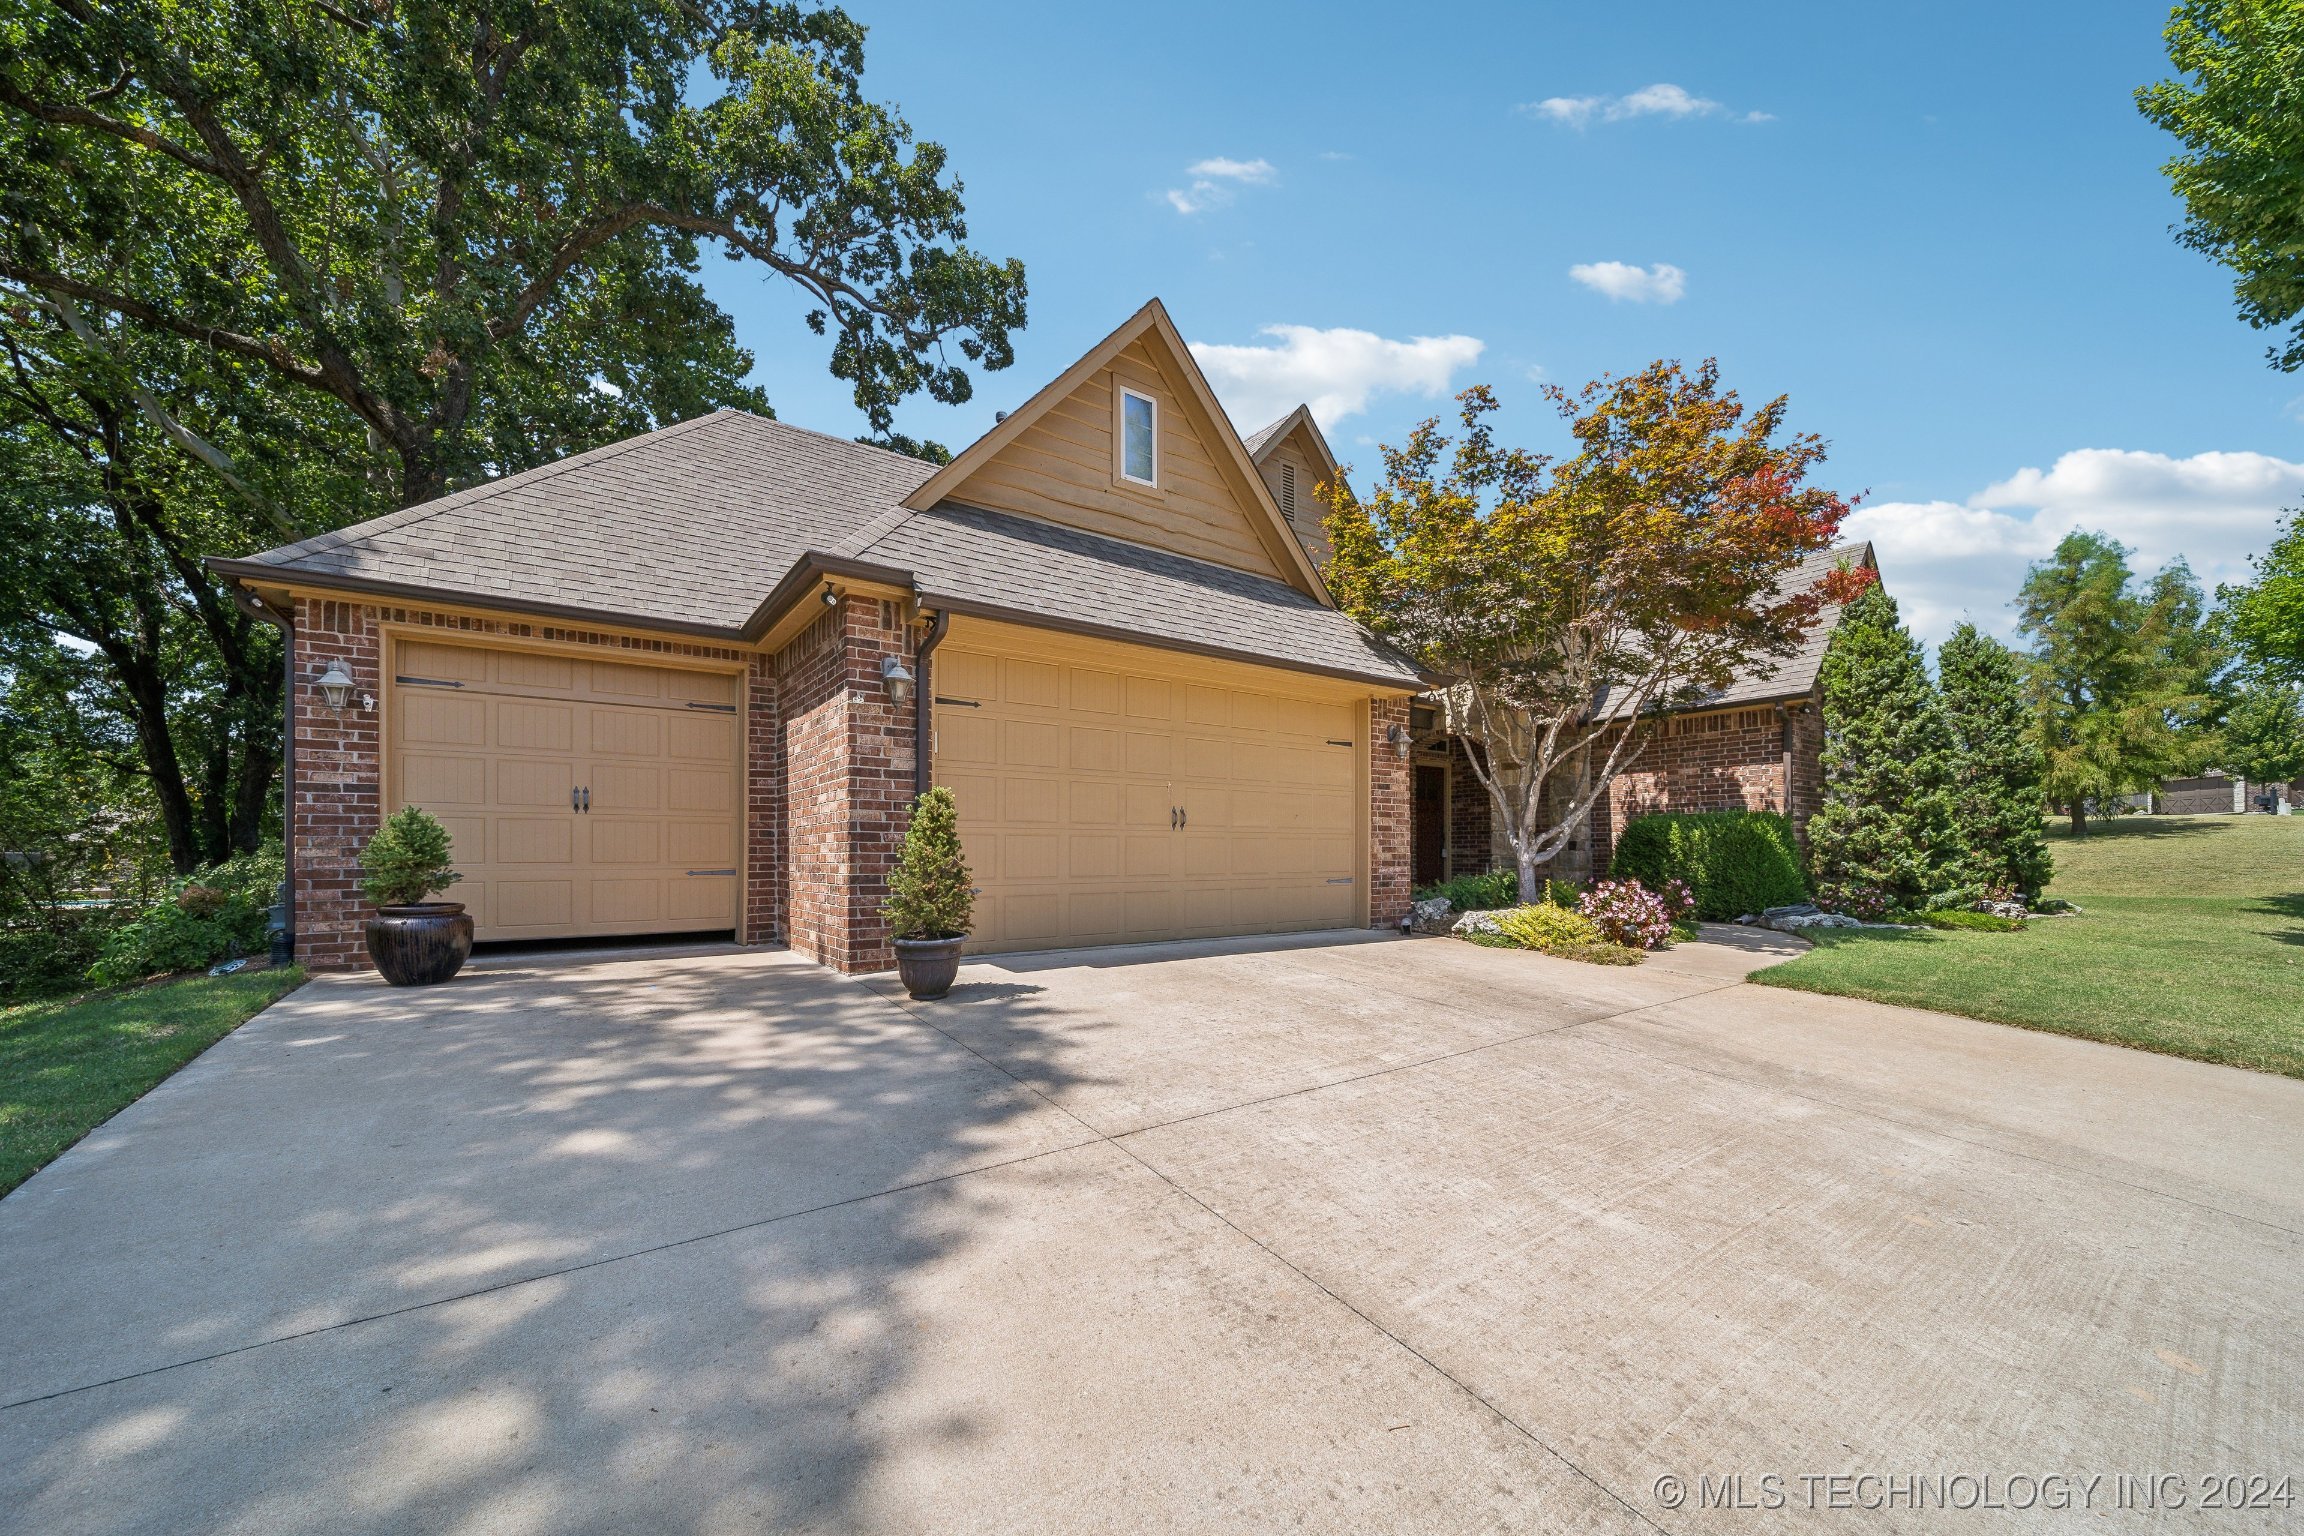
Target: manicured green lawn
(68, 1066)
(2192, 943)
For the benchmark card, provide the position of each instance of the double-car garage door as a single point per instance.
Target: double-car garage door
(1118, 796)
(584, 797)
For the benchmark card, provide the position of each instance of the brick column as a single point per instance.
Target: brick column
(1390, 816)
(764, 869)
(339, 781)
(847, 760)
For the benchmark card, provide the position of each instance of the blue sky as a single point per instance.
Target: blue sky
(1940, 228)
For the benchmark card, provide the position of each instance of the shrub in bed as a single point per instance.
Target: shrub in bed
(1733, 861)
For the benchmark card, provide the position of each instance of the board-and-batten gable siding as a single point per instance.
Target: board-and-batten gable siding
(1060, 469)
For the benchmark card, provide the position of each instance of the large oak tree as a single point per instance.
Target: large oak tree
(476, 225)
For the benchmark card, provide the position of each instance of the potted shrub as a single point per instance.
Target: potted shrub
(414, 942)
(930, 900)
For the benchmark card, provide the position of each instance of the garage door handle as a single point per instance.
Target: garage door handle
(575, 798)
(587, 799)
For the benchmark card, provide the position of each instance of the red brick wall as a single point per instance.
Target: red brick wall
(339, 753)
(1724, 760)
(847, 773)
(1468, 813)
(1391, 812)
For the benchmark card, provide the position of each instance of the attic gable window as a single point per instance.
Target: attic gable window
(1139, 438)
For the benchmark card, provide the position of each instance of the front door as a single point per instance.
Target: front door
(1431, 824)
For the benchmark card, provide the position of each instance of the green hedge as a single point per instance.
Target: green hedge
(1735, 861)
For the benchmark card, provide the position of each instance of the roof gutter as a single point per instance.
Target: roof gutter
(923, 699)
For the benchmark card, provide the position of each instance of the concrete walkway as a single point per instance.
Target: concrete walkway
(1347, 1234)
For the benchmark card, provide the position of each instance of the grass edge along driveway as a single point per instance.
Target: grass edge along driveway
(67, 1065)
(2191, 944)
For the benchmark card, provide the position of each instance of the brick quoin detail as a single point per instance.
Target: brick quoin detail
(1391, 813)
(847, 776)
(339, 753)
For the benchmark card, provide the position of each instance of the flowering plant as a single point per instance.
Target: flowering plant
(1865, 903)
(1630, 914)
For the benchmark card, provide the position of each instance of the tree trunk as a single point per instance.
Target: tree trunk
(1531, 884)
(147, 696)
(2079, 813)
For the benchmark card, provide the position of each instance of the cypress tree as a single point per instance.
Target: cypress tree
(1999, 768)
(1887, 822)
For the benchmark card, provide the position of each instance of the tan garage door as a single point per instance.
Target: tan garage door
(1122, 796)
(585, 797)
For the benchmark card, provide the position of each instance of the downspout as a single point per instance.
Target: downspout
(923, 703)
(1784, 725)
(256, 607)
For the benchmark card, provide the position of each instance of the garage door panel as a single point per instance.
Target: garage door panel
(624, 732)
(1149, 753)
(700, 844)
(433, 780)
(1092, 856)
(1094, 692)
(1031, 856)
(696, 791)
(625, 788)
(532, 904)
(1202, 757)
(1094, 802)
(1031, 744)
(963, 736)
(1031, 684)
(1149, 857)
(625, 842)
(537, 781)
(467, 842)
(1092, 749)
(626, 903)
(525, 726)
(528, 669)
(705, 738)
(1095, 916)
(442, 719)
(1031, 800)
(699, 898)
(1148, 698)
(665, 788)
(534, 840)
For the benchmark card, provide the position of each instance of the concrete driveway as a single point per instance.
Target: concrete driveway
(1354, 1235)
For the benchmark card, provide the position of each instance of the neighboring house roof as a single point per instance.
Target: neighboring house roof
(714, 525)
(1775, 679)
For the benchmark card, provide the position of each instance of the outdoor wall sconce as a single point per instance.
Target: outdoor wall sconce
(898, 680)
(831, 595)
(335, 684)
(1400, 740)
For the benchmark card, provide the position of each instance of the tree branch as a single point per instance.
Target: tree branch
(66, 116)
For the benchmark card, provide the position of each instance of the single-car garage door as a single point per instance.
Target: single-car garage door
(1112, 794)
(585, 797)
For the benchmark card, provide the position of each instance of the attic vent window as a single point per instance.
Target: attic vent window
(1139, 455)
(1288, 490)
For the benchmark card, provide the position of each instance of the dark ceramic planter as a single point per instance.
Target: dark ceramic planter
(420, 945)
(927, 966)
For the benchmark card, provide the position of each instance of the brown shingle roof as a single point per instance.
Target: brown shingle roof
(1790, 677)
(692, 526)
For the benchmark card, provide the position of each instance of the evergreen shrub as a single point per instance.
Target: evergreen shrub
(1733, 861)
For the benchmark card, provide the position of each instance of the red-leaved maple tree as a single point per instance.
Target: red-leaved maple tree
(1560, 605)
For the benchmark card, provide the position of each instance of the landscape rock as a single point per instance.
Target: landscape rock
(1434, 914)
(1475, 922)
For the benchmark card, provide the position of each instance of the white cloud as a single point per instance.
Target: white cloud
(1662, 283)
(1945, 560)
(1659, 100)
(1217, 180)
(1334, 371)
